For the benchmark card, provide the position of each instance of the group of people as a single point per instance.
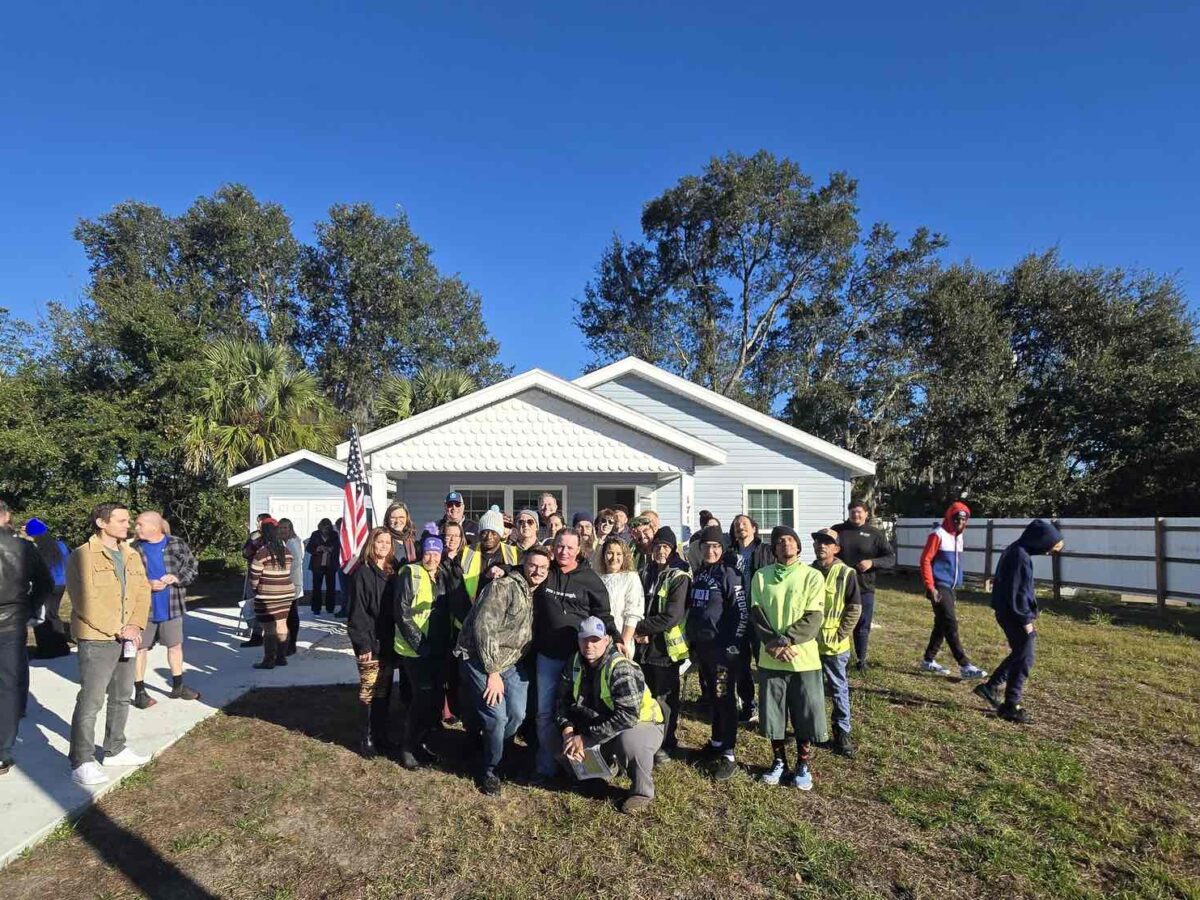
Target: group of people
(582, 632)
(587, 629)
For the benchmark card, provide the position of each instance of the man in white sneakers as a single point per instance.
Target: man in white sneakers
(110, 603)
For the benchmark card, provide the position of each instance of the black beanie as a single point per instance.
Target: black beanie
(712, 534)
(784, 531)
(664, 535)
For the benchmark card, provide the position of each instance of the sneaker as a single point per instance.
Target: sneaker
(661, 757)
(774, 776)
(970, 671)
(933, 666)
(490, 785)
(1015, 712)
(985, 691)
(802, 780)
(5, 767)
(89, 774)
(427, 756)
(125, 758)
(713, 748)
(748, 714)
(142, 700)
(862, 667)
(634, 804)
(183, 692)
(725, 768)
(408, 760)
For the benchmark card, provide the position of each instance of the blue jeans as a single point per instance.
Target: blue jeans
(838, 684)
(500, 722)
(1015, 667)
(549, 673)
(862, 631)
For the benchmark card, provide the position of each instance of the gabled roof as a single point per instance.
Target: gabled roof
(631, 365)
(277, 465)
(535, 379)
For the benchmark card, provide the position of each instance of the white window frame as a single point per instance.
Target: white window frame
(794, 488)
(636, 511)
(508, 490)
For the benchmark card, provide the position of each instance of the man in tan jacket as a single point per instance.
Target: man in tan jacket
(110, 602)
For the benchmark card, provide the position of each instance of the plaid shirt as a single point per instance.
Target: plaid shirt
(179, 561)
(590, 717)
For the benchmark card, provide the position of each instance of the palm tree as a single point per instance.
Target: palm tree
(402, 396)
(258, 404)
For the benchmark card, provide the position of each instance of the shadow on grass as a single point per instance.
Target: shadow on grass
(901, 699)
(139, 862)
(1092, 610)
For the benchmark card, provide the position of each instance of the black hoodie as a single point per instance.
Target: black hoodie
(1013, 595)
(561, 602)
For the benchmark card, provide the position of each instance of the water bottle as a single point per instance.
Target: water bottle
(128, 649)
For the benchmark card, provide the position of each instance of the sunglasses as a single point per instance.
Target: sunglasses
(608, 521)
(454, 503)
(526, 522)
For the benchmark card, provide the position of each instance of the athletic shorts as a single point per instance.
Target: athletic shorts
(795, 698)
(168, 633)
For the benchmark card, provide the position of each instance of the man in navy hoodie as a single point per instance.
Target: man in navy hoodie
(1015, 603)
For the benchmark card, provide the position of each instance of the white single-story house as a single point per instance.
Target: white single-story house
(628, 433)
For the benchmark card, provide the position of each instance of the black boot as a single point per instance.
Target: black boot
(381, 709)
(842, 744)
(366, 738)
(269, 642)
(281, 653)
(256, 639)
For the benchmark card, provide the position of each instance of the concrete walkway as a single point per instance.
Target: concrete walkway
(37, 794)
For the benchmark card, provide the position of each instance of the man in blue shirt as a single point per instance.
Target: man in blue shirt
(170, 567)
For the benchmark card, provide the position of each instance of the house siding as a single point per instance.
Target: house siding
(425, 492)
(303, 480)
(754, 457)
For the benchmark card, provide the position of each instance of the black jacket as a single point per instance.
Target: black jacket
(717, 608)
(859, 542)
(1013, 594)
(324, 552)
(760, 555)
(370, 624)
(25, 582)
(658, 620)
(561, 602)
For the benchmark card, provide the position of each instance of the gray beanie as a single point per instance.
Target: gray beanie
(492, 520)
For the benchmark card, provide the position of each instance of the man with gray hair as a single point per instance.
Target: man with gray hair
(25, 583)
(171, 567)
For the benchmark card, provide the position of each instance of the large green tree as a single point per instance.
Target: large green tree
(375, 303)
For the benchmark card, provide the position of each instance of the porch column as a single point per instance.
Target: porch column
(379, 499)
(687, 504)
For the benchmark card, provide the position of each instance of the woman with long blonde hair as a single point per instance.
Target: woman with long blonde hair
(626, 600)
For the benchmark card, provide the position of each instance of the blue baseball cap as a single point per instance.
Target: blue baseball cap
(454, 497)
(591, 627)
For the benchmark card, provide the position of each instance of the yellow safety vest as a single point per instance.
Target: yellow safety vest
(677, 648)
(422, 607)
(473, 563)
(650, 710)
(835, 605)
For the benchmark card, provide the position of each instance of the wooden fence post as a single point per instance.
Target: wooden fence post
(1056, 568)
(1160, 562)
(987, 559)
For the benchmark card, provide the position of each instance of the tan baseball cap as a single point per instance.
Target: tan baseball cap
(826, 534)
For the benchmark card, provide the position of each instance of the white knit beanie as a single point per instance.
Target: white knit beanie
(492, 520)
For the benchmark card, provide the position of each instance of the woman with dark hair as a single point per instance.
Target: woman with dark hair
(606, 525)
(747, 554)
(50, 632)
(372, 633)
(324, 548)
(271, 582)
(399, 525)
(554, 524)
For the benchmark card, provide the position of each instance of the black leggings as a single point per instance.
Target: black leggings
(328, 578)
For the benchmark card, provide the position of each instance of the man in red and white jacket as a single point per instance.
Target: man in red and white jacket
(941, 570)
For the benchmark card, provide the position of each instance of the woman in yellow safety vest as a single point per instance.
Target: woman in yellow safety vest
(422, 641)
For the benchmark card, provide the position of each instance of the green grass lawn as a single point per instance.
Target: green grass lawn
(1099, 798)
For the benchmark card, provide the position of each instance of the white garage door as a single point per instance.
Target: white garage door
(305, 513)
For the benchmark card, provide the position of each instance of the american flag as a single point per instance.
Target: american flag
(357, 509)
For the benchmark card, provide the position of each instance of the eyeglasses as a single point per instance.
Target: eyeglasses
(526, 523)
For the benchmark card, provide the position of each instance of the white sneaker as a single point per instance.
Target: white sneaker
(89, 774)
(775, 775)
(971, 671)
(933, 666)
(126, 758)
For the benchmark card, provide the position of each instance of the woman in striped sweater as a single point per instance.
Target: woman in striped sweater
(271, 582)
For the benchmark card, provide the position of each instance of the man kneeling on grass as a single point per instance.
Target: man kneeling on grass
(787, 606)
(603, 702)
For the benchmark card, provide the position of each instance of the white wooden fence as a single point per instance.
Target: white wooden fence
(1155, 556)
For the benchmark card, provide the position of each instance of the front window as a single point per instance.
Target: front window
(771, 506)
(528, 498)
(477, 501)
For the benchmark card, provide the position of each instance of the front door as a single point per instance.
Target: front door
(608, 497)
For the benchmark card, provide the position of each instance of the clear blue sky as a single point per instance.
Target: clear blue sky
(519, 137)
